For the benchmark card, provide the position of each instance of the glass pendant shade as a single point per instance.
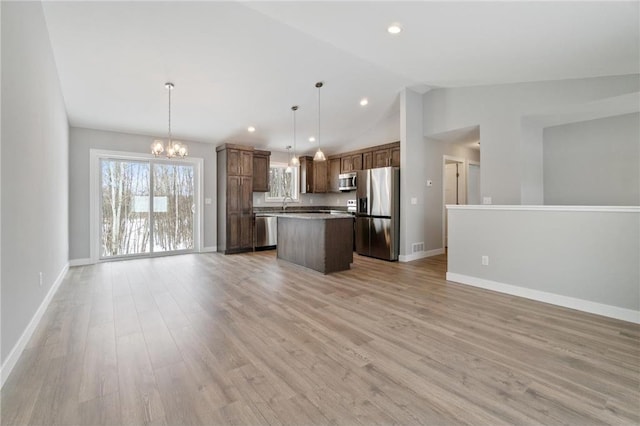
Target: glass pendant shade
(294, 162)
(319, 156)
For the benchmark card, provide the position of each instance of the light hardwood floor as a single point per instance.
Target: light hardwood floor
(247, 339)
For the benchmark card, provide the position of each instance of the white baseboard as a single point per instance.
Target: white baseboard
(208, 249)
(81, 262)
(419, 255)
(15, 353)
(555, 299)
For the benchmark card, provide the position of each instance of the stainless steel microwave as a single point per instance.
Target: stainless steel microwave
(347, 181)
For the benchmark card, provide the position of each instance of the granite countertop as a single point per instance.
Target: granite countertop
(290, 210)
(319, 215)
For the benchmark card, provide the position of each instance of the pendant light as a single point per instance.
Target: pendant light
(319, 154)
(173, 148)
(290, 166)
(294, 162)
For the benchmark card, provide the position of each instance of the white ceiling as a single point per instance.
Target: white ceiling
(236, 64)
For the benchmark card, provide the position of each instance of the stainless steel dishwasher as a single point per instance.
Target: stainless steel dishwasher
(266, 232)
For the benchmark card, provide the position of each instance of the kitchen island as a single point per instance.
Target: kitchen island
(319, 241)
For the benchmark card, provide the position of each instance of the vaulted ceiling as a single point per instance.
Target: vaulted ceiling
(240, 64)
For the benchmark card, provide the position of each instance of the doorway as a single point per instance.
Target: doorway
(454, 187)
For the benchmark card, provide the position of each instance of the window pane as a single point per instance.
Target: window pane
(283, 181)
(125, 207)
(173, 207)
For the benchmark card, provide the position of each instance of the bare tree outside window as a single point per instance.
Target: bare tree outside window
(126, 205)
(283, 182)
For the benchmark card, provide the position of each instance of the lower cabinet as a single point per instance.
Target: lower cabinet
(239, 232)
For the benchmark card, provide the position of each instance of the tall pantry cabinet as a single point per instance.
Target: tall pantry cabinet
(235, 198)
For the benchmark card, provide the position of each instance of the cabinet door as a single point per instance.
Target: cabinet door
(306, 175)
(234, 224)
(246, 194)
(346, 164)
(260, 173)
(246, 163)
(334, 174)
(395, 157)
(246, 231)
(367, 160)
(381, 158)
(356, 162)
(233, 162)
(320, 176)
(233, 194)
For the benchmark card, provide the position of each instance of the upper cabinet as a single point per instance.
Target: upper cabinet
(261, 170)
(313, 176)
(386, 155)
(368, 158)
(351, 163)
(239, 161)
(334, 173)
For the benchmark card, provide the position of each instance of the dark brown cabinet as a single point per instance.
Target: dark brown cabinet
(313, 176)
(367, 160)
(235, 198)
(334, 174)
(395, 156)
(351, 163)
(386, 155)
(261, 161)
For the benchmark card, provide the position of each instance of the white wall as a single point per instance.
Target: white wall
(83, 140)
(595, 162)
(581, 258)
(511, 171)
(34, 171)
(412, 174)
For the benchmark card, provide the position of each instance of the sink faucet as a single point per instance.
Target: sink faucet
(284, 201)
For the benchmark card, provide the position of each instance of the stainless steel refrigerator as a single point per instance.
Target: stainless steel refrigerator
(378, 213)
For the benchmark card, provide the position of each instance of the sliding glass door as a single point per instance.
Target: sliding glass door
(146, 207)
(173, 207)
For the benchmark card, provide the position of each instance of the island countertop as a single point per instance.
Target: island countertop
(309, 215)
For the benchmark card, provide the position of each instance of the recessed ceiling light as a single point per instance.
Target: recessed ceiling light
(364, 101)
(251, 129)
(312, 139)
(394, 29)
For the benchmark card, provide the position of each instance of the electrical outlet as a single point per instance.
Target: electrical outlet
(485, 260)
(310, 200)
(41, 279)
(486, 200)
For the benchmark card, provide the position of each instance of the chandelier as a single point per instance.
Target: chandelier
(172, 148)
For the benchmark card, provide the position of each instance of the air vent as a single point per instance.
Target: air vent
(417, 247)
